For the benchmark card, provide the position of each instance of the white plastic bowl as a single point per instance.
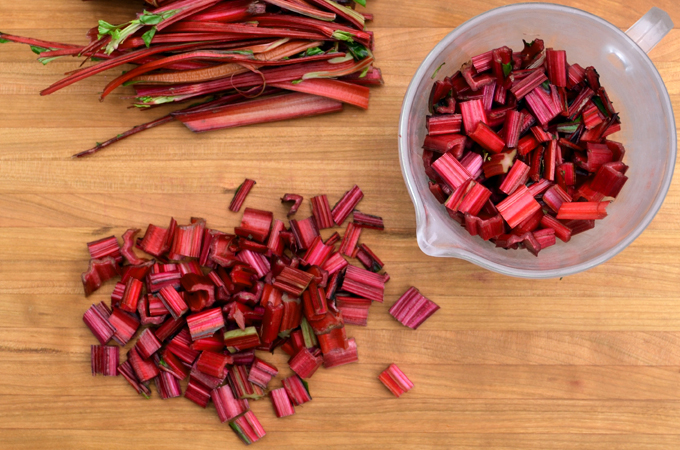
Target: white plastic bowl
(636, 89)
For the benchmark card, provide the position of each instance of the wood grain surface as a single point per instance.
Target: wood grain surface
(591, 361)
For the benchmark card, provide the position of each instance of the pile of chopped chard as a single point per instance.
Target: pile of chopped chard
(229, 63)
(517, 147)
(205, 301)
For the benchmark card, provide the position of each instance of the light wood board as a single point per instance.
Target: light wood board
(591, 361)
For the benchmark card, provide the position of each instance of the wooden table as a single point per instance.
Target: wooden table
(590, 361)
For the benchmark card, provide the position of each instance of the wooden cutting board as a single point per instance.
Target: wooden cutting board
(590, 361)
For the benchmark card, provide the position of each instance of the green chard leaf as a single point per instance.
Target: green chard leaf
(306, 385)
(312, 51)
(357, 50)
(148, 36)
(148, 18)
(3, 41)
(364, 72)
(437, 70)
(360, 2)
(38, 50)
(297, 81)
(546, 85)
(343, 36)
(106, 28)
(507, 68)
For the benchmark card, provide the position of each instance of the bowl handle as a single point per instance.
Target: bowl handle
(650, 29)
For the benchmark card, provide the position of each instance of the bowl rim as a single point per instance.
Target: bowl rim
(419, 205)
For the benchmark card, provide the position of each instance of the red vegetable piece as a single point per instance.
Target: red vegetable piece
(583, 211)
(297, 201)
(98, 272)
(413, 308)
(395, 380)
(346, 205)
(283, 407)
(518, 206)
(321, 211)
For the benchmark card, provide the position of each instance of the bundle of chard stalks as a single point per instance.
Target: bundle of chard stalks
(517, 147)
(210, 299)
(233, 63)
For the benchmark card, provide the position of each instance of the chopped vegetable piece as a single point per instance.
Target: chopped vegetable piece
(97, 320)
(473, 113)
(413, 308)
(395, 380)
(321, 211)
(545, 238)
(147, 344)
(445, 124)
(451, 170)
(133, 290)
(283, 407)
(305, 232)
(169, 328)
(363, 283)
(126, 326)
(197, 392)
(104, 247)
(238, 380)
(228, 407)
(170, 363)
(583, 211)
(240, 195)
(341, 356)
(517, 176)
(247, 427)
(369, 259)
(128, 243)
(334, 264)
(297, 390)
(261, 373)
(255, 224)
(518, 206)
(556, 62)
(212, 363)
(241, 339)
(368, 221)
(446, 143)
(350, 240)
(145, 370)
(98, 272)
(528, 84)
(305, 362)
(188, 239)
(317, 253)
(173, 302)
(297, 201)
(511, 128)
(354, 310)
(555, 197)
(104, 360)
(293, 281)
(168, 386)
(346, 205)
(487, 138)
(180, 346)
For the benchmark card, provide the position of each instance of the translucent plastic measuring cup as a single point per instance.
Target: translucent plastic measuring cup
(632, 82)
